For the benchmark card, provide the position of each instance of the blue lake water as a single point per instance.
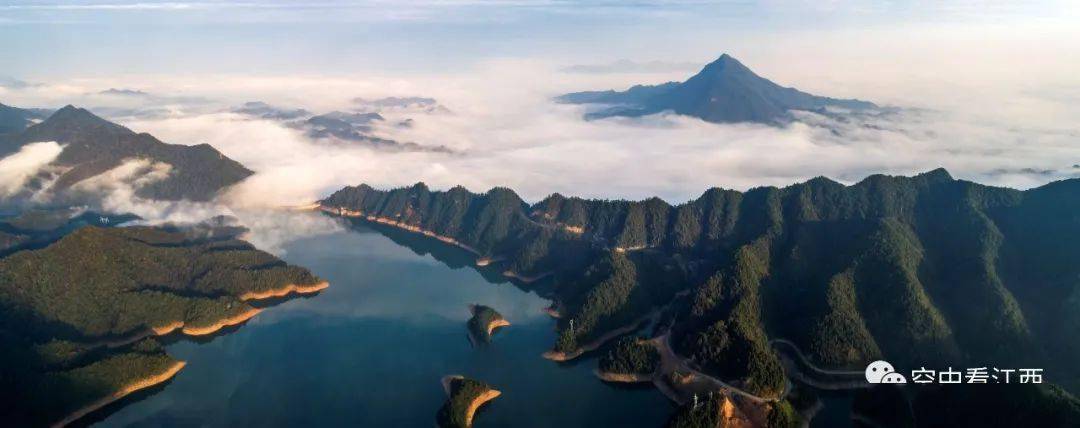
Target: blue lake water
(371, 349)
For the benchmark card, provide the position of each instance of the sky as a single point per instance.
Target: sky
(989, 90)
(100, 37)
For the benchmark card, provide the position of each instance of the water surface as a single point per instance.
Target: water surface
(371, 349)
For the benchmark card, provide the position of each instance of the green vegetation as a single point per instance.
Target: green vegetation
(463, 393)
(630, 355)
(482, 317)
(713, 411)
(707, 414)
(924, 270)
(612, 302)
(75, 313)
(782, 414)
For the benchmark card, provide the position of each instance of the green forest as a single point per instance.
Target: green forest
(462, 392)
(77, 314)
(923, 271)
(482, 316)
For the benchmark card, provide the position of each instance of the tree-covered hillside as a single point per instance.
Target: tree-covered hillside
(78, 317)
(923, 271)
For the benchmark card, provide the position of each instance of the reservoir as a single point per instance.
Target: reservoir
(371, 349)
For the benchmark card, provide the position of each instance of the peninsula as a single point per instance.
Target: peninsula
(81, 314)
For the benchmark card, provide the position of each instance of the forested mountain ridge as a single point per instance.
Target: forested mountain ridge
(924, 270)
(93, 146)
(79, 317)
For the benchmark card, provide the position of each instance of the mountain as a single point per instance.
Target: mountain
(93, 145)
(921, 271)
(413, 104)
(79, 319)
(346, 126)
(14, 119)
(725, 91)
(340, 127)
(267, 111)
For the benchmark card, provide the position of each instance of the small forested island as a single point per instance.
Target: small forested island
(79, 318)
(483, 323)
(925, 270)
(631, 359)
(464, 398)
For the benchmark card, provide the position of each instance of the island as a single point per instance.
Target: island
(464, 398)
(81, 317)
(483, 323)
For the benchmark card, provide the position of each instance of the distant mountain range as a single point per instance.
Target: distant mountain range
(93, 146)
(348, 126)
(725, 91)
(14, 119)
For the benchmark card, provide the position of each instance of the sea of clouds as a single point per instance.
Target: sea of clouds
(504, 130)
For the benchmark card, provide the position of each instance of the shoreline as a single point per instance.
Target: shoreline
(494, 324)
(123, 392)
(560, 356)
(481, 261)
(173, 326)
(629, 328)
(285, 291)
(480, 400)
(344, 212)
(553, 310)
(183, 328)
(623, 377)
(523, 278)
(489, 328)
(214, 328)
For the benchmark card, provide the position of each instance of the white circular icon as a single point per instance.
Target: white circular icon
(876, 371)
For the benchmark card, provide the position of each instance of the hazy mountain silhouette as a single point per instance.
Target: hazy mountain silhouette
(14, 119)
(725, 91)
(93, 145)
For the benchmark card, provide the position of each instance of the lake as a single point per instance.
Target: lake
(371, 350)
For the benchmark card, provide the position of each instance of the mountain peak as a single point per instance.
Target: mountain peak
(71, 117)
(724, 91)
(725, 63)
(938, 174)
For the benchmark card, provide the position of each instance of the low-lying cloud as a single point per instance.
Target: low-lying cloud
(505, 131)
(17, 169)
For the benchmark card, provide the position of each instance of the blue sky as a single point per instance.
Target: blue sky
(94, 37)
